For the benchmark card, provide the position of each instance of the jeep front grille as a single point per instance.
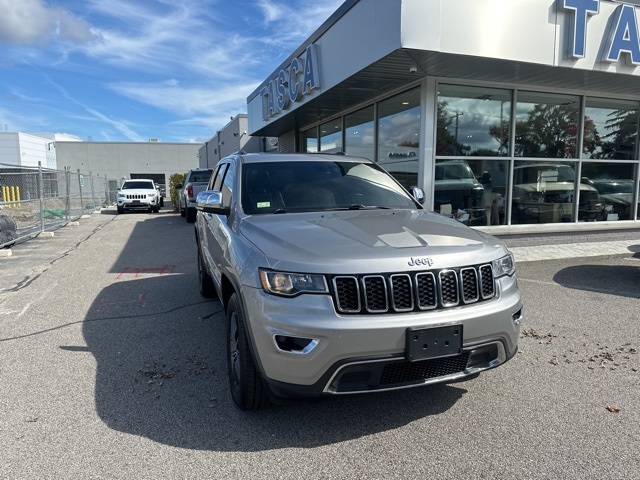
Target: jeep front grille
(407, 292)
(136, 196)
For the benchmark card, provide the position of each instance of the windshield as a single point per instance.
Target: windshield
(281, 187)
(138, 184)
(547, 173)
(453, 171)
(612, 186)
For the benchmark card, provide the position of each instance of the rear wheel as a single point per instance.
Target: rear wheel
(191, 215)
(245, 381)
(207, 288)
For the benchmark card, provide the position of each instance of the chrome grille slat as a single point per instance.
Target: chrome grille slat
(412, 291)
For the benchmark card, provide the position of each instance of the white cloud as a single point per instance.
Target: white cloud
(31, 22)
(271, 10)
(188, 101)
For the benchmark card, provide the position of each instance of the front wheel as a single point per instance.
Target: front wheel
(247, 390)
(191, 215)
(120, 209)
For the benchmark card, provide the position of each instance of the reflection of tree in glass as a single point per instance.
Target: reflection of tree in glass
(623, 126)
(549, 131)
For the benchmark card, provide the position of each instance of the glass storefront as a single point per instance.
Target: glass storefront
(359, 133)
(546, 125)
(485, 136)
(473, 191)
(331, 136)
(310, 140)
(610, 129)
(472, 121)
(399, 136)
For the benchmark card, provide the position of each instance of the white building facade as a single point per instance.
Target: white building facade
(508, 114)
(125, 160)
(31, 149)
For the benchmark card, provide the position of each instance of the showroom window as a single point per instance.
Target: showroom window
(331, 136)
(544, 192)
(472, 121)
(472, 191)
(615, 186)
(610, 129)
(310, 140)
(546, 125)
(359, 133)
(399, 136)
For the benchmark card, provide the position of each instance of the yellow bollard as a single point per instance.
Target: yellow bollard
(18, 196)
(5, 194)
(12, 195)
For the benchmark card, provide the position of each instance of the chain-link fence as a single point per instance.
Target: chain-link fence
(36, 199)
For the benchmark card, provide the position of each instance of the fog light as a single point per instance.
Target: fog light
(517, 317)
(297, 345)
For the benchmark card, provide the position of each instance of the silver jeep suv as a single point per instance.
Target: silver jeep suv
(335, 280)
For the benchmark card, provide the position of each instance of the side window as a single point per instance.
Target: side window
(227, 186)
(216, 180)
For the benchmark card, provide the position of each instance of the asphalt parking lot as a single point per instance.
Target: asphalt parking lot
(112, 366)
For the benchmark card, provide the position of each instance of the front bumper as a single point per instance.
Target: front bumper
(303, 348)
(137, 204)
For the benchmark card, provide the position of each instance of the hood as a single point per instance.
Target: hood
(366, 240)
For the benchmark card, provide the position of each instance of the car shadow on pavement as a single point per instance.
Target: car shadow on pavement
(620, 280)
(161, 373)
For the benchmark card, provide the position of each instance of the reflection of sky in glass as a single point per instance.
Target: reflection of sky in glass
(475, 117)
(359, 140)
(399, 133)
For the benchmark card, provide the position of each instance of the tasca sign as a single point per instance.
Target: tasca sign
(293, 82)
(622, 36)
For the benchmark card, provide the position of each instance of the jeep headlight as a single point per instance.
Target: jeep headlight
(504, 266)
(151, 195)
(291, 284)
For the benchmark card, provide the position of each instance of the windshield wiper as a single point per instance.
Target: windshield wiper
(359, 206)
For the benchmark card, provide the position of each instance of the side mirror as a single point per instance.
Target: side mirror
(177, 186)
(210, 201)
(418, 194)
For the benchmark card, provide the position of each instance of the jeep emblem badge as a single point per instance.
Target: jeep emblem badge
(426, 261)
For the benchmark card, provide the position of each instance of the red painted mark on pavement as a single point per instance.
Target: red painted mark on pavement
(163, 270)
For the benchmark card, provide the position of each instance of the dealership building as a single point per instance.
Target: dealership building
(512, 116)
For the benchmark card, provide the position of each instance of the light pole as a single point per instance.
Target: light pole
(457, 115)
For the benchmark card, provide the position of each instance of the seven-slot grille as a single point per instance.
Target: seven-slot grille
(136, 196)
(407, 292)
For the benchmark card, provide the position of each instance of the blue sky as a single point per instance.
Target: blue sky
(131, 70)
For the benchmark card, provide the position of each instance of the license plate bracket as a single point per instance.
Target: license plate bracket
(434, 342)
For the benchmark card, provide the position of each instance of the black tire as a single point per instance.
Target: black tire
(207, 287)
(7, 224)
(120, 210)
(245, 381)
(162, 201)
(7, 238)
(156, 209)
(191, 215)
